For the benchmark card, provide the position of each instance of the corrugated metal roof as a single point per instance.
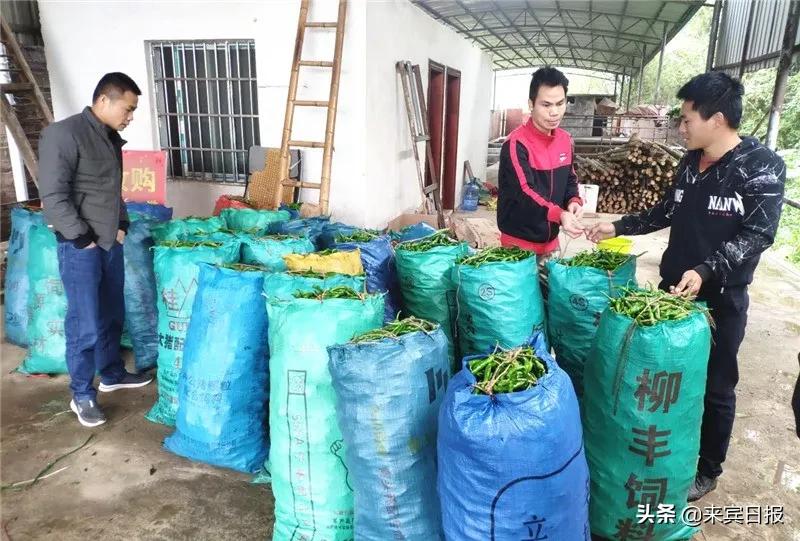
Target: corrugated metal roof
(766, 35)
(615, 36)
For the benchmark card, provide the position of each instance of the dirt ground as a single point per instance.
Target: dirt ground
(124, 485)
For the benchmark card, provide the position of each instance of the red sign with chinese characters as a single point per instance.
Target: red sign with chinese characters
(144, 176)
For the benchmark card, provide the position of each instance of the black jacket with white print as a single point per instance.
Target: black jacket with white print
(722, 219)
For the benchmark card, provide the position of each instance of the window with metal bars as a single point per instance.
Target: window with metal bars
(207, 106)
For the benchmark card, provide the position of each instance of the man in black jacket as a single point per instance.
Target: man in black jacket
(80, 183)
(723, 208)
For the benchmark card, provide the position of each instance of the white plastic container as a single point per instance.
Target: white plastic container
(589, 194)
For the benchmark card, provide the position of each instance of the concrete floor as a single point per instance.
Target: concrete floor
(124, 485)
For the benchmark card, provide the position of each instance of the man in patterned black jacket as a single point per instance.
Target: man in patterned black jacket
(723, 209)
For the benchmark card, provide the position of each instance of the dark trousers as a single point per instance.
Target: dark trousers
(93, 282)
(729, 310)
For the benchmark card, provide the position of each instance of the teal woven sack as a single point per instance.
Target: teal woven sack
(642, 409)
(47, 306)
(176, 282)
(499, 303)
(310, 478)
(427, 289)
(576, 298)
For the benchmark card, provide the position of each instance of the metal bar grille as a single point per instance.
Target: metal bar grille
(207, 106)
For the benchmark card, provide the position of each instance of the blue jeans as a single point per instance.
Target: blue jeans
(93, 282)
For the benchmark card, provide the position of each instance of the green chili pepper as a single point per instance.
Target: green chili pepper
(440, 238)
(395, 329)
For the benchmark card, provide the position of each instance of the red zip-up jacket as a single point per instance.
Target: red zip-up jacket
(537, 181)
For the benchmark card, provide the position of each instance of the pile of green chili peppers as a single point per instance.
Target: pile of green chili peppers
(440, 238)
(507, 371)
(364, 235)
(498, 254)
(242, 267)
(395, 329)
(338, 292)
(649, 307)
(189, 244)
(607, 260)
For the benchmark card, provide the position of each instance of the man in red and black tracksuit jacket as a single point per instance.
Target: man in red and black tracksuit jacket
(538, 188)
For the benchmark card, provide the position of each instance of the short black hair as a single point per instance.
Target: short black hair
(715, 92)
(547, 76)
(114, 85)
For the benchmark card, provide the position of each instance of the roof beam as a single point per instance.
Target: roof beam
(464, 30)
(471, 14)
(513, 25)
(581, 31)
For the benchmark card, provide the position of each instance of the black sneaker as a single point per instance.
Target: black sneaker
(129, 381)
(701, 486)
(88, 412)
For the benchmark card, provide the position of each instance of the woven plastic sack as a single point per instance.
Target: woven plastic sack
(512, 465)
(331, 230)
(283, 285)
(377, 258)
(413, 232)
(252, 220)
(223, 384)
(141, 308)
(426, 286)
(176, 282)
(269, 251)
(338, 262)
(230, 201)
(16, 284)
(183, 228)
(307, 227)
(576, 299)
(47, 306)
(160, 213)
(388, 394)
(498, 304)
(643, 407)
(294, 213)
(310, 477)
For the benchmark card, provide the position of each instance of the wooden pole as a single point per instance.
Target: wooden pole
(327, 154)
(288, 118)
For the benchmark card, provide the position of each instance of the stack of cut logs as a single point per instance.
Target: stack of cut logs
(632, 177)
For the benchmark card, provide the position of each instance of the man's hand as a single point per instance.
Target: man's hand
(576, 209)
(601, 231)
(121, 236)
(571, 225)
(689, 285)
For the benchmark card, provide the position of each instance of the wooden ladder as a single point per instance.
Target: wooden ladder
(287, 142)
(23, 90)
(417, 112)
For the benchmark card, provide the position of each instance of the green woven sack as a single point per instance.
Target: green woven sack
(576, 298)
(427, 288)
(252, 220)
(183, 228)
(176, 282)
(498, 303)
(283, 285)
(642, 409)
(47, 306)
(313, 494)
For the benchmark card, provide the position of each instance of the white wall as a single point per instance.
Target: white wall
(396, 30)
(373, 176)
(84, 40)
